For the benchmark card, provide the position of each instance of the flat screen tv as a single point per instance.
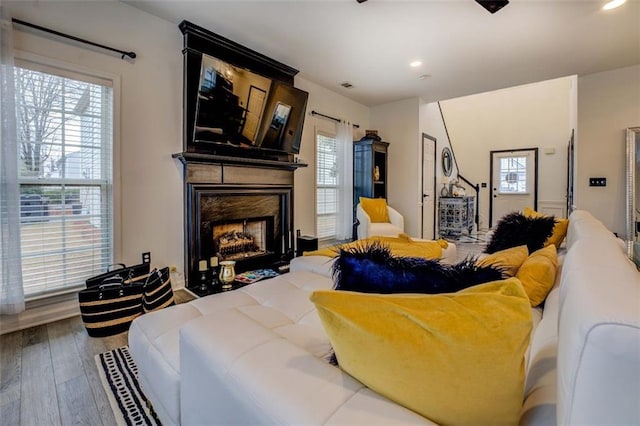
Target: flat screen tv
(239, 108)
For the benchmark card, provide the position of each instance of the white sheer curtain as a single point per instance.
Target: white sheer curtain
(344, 142)
(11, 292)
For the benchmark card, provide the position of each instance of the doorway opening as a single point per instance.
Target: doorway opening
(428, 187)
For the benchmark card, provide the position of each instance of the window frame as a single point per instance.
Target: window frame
(328, 134)
(90, 75)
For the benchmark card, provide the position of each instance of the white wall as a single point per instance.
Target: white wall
(149, 212)
(148, 182)
(608, 103)
(334, 105)
(398, 124)
(431, 123)
(534, 115)
(151, 193)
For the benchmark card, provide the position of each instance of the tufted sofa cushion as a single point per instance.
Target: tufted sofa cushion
(279, 305)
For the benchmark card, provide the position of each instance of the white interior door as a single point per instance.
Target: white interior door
(428, 186)
(513, 181)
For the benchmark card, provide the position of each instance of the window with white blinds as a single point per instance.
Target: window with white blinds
(65, 138)
(326, 185)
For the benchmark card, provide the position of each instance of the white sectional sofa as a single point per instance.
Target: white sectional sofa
(257, 355)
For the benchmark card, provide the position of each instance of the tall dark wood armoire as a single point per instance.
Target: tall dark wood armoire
(369, 172)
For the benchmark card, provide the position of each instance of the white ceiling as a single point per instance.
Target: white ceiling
(464, 48)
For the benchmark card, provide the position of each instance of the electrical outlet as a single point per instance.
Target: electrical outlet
(597, 181)
(483, 185)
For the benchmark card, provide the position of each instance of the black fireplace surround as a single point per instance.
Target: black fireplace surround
(252, 222)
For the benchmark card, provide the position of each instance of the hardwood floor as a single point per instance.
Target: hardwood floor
(48, 375)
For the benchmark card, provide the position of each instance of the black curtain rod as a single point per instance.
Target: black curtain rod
(331, 118)
(131, 55)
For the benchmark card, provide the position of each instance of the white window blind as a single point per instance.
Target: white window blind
(65, 136)
(326, 185)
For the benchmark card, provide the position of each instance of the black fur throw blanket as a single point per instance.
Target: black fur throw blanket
(515, 229)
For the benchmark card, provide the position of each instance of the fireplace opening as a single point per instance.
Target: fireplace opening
(250, 225)
(242, 239)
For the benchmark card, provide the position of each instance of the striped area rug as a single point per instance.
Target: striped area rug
(119, 375)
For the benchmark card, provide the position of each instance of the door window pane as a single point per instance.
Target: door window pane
(513, 175)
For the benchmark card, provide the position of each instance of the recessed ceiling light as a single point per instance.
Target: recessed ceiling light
(613, 4)
(415, 64)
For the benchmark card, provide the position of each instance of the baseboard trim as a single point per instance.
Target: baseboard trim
(40, 312)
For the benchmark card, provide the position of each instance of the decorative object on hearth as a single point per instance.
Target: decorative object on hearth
(203, 276)
(213, 271)
(227, 273)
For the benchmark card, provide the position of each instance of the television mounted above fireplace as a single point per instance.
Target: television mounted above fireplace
(238, 102)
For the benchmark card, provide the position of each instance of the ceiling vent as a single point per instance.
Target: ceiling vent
(346, 85)
(493, 5)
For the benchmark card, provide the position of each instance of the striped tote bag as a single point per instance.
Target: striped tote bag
(157, 293)
(109, 308)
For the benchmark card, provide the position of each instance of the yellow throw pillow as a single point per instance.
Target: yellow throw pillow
(538, 273)
(376, 208)
(454, 358)
(559, 229)
(509, 260)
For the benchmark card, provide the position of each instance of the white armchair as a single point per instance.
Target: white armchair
(368, 229)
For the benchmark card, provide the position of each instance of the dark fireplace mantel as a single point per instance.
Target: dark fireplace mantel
(192, 157)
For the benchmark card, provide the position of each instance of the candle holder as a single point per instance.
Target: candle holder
(204, 281)
(227, 273)
(213, 263)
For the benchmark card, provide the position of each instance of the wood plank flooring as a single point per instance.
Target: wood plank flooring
(48, 375)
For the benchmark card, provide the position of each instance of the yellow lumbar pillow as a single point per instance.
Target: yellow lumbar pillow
(509, 260)
(454, 358)
(538, 273)
(376, 209)
(559, 229)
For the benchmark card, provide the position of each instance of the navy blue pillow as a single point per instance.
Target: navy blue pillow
(371, 268)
